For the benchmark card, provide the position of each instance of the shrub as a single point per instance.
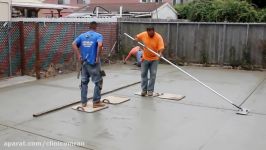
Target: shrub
(220, 11)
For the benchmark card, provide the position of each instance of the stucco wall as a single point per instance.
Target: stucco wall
(164, 12)
(4, 10)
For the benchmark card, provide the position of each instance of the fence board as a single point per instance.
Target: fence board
(189, 40)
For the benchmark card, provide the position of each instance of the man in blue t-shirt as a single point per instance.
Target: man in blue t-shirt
(88, 47)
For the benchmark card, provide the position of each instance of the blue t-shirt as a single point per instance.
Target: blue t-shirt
(88, 45)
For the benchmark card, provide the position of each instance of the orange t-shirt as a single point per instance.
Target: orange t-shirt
(132, 52)
(155, 43)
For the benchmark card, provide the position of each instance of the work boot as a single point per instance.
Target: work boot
(84, 104)
(98, 104)
(150, 93)
(143, 93)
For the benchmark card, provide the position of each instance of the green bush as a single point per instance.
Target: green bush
(220, 11)
(262, 15)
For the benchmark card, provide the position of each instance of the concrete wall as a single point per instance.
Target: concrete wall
(5, 12)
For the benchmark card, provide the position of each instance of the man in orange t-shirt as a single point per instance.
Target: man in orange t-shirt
(154, 41)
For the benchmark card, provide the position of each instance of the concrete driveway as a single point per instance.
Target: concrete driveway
(201, 121)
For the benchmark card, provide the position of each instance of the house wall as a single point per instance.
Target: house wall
(164, 13)
(74, 2)
(48, 13)
(125, 1)
(5, 10)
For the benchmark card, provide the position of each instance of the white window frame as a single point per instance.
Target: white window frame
(65, 2)
(149, 1)
(141, 1)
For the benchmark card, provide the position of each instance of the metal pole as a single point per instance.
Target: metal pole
(37, 51)
(247, 35)
(224, 46)
(75, 34)
(22, 49)
(187, 73)
(176, 42)
(168, 39)
(9, 48)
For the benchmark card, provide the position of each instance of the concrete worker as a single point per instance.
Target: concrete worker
(88, 47)
(137, 52)
(154, 41)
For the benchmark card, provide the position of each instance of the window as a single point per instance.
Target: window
(178, 2)
(147, 1)
(83, 1)
(63, 2)
(174, 2)
(144, 1)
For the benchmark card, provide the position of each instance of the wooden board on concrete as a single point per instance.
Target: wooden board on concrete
(89, 108)
(170, 96)
(114, 100)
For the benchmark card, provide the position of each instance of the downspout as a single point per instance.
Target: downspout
(121, 11)
(97, 11)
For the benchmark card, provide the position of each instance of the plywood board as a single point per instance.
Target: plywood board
(170, 96)
(114, 100)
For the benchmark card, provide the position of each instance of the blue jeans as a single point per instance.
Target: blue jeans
(151, 66)
(139, 58)
(93, 72)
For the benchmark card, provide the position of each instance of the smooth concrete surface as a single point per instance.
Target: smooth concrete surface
(201, 121)
(25, 141)
(26, 99)
(240, 133)
(137, 124)
(257, 101)
(2, 127)
(16, 80)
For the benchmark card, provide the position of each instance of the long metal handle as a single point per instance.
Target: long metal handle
(186, 73)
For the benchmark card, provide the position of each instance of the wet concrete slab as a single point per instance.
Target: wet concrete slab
(137, 124)
(2, 127)
(257, 101)
(18, 105)
(235, 85)
(143, 123)
(241, 133)
(200, 121)
(16, 81)
(28, 98)
(12, 139)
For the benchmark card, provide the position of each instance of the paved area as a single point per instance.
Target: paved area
(201, 121)
(16, 80)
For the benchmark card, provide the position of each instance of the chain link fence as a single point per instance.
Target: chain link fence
(54, 41)
(4, 50)
(15, 49)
